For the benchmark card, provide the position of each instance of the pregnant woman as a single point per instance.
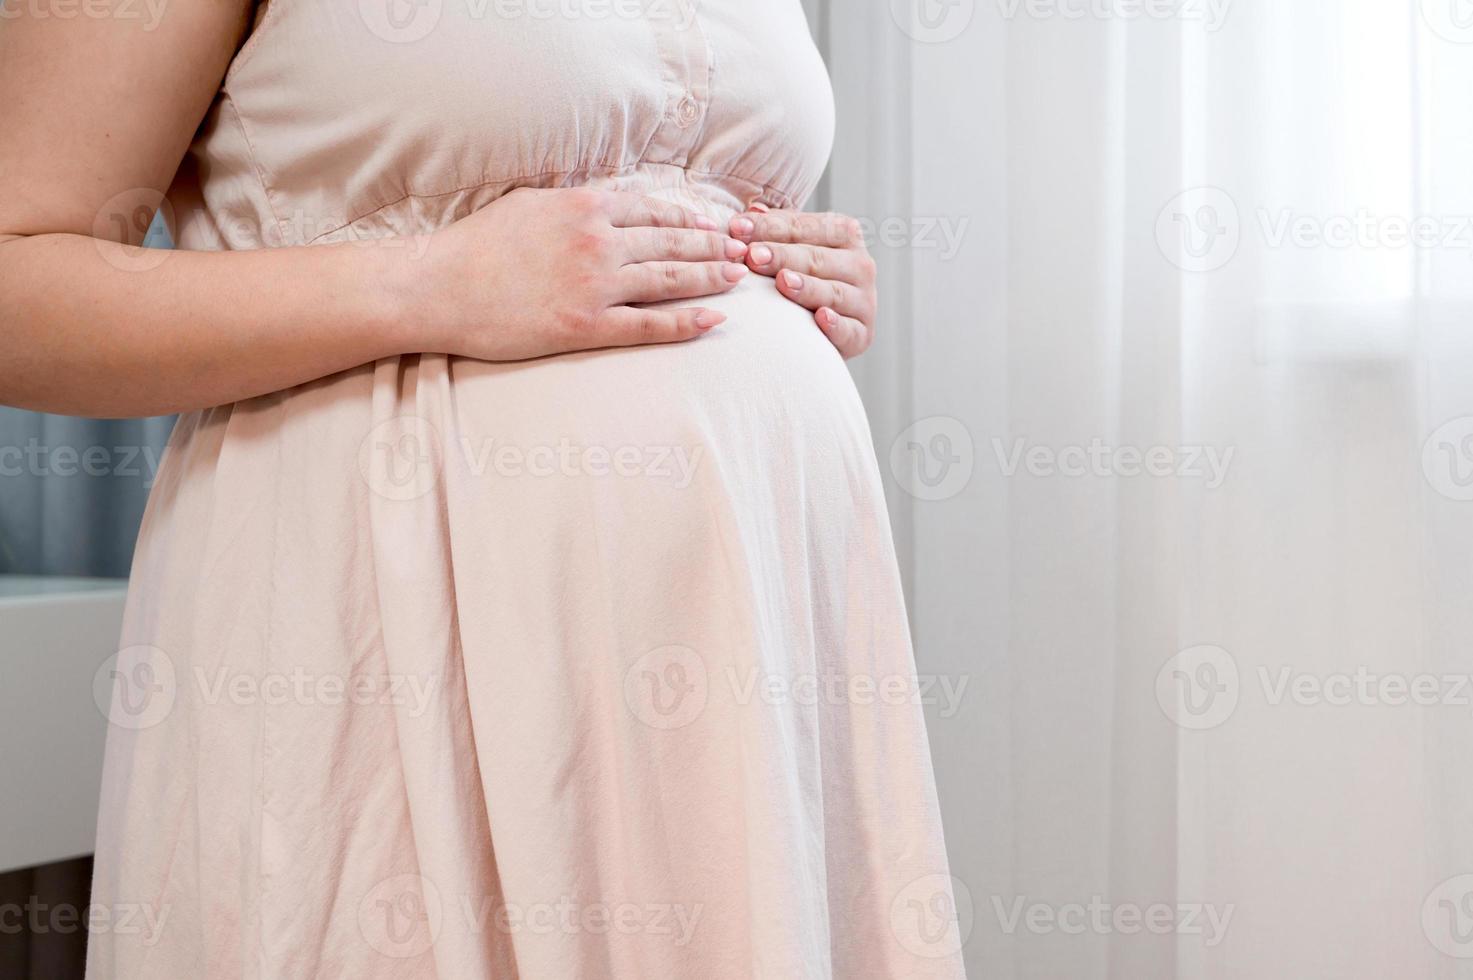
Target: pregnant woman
(517, 597)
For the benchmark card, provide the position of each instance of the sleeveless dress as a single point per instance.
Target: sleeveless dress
(590, 666)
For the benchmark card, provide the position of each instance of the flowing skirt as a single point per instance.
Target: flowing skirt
(592, 666)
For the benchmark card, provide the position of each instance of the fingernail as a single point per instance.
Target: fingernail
(759, 207)
(735, 249)
(743, 228)
(705, 224)
(792, 280)
(761, 254)
(706, 319)
(734, 272)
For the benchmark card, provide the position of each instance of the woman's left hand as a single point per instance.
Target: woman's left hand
(820, 262)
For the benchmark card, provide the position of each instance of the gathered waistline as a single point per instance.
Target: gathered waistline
(762, 192)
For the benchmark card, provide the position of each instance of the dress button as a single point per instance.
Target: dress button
(687, 111)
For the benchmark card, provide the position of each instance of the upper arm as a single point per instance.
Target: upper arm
(102, 100)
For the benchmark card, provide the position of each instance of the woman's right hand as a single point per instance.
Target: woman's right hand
(542, 272)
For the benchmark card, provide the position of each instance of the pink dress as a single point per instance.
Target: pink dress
(592, 666)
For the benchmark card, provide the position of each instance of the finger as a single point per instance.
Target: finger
(799, 228)
(850, 337)
(625, 326)
(811, 293)
(654, 282)
(632, 211)
(680, 244)
(841, 264)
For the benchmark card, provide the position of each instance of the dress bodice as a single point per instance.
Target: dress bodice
(350, 119)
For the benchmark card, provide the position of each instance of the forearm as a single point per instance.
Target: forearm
(86, 331)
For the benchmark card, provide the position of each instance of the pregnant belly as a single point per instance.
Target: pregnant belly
(734, 427)
(657, 495)
(765, 382)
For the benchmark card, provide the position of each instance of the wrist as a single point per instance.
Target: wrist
(400, 277)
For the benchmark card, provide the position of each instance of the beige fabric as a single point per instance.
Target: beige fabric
(594, 666)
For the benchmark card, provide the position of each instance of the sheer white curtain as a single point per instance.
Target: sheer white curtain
(1175, 394)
